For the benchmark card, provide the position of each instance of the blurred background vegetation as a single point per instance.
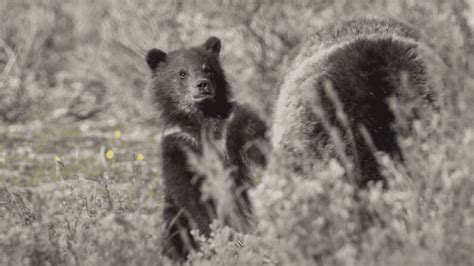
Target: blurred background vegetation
(74, 108)
(85, 58)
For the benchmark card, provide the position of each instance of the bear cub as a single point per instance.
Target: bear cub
(194, 98)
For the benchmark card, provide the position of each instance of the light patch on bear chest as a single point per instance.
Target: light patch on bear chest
(179, 132)
(213, 134)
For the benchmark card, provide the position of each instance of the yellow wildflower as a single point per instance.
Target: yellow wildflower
(109, 154)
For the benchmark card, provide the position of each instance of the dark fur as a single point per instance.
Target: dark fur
(187, 121)
(364, 61)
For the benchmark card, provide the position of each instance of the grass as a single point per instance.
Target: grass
(87, 209)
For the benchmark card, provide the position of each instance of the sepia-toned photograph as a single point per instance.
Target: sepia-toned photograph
(236, 132)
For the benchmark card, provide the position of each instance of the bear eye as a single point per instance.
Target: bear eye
(182, 74)
(206, 69)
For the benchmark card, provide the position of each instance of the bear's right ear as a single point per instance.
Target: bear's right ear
(154, 57)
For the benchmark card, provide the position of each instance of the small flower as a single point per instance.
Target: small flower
(109, 154)
(117, 134)
(58, 161)
(140, 157)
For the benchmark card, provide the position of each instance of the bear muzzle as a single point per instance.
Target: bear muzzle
(204, 90)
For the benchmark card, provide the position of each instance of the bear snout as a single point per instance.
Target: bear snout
(204, 89)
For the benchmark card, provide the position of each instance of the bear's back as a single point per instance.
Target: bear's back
(349, 30)
(364, 61)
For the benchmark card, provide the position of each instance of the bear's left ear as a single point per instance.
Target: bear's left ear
(154, 57)
(213, 44)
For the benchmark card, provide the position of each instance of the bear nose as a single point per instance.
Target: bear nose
(203, 85)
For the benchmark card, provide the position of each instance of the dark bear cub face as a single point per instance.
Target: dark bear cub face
(190, 80)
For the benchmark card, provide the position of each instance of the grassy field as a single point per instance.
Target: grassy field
(80, 176)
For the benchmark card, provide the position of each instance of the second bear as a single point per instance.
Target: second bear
(343, 78)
